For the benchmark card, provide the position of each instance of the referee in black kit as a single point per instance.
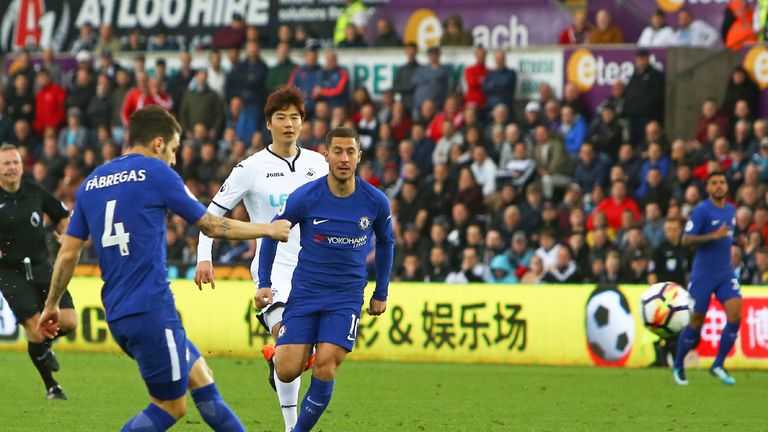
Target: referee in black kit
(671, 262)
(25, 271)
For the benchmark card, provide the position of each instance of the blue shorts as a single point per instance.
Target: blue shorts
(724, 289)
(309, 321)
(157, 341)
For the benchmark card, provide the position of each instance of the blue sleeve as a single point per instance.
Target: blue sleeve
(177, 197)
(695, 224)
(78, 227)
(385, 249)
(291, 211)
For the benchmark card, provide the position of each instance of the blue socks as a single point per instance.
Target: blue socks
(215, 411)
(687, 341)
(315, 402)
(152, 419)
(727, 339)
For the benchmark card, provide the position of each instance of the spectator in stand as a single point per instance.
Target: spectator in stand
(385, 35)
(738, 24)
(217, 77)
(499, 120)
(247, 80)
(352, 38)
(552, 163)
(451, 112)
(658, 33)
(564, 270)
(591, 170)
(49, 103)
(500, 84)
(740, 87)
(74, 135)
(403, 82)
(284, 35)
(644, 96)
(535, 271)
(83, 91)
(532, 118)
(48, 62)
(118, 94)
(455, 34)
(99, 110)
(469, 193)
(355, 14)
(552, 116)
(201, 104)
(135, 41)
(604, 31)
(606, 133)
(179, 82)
(614, 205)
(502, 271)
(20, 98)
(24, 140)
(307, 76)
(484, 170)
(439, 267)
(334, 83)
(231, 36)
(368, 129)
(694, 33)
(280, 73)
(638, 269)
(653, 225)
(107, 40)
(6, 123)
(432, 82)
(86, 40)
(573, 98)
(135, 97)
(470, 271)
(573, 129)
(710, 114)
(655, 159)
(161, 42)
(578, 32)
(474, 77)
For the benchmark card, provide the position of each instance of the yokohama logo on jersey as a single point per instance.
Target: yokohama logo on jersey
(355, 242)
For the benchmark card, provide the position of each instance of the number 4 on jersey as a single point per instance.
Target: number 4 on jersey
(120, 238)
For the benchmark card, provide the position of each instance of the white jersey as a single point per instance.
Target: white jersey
(263, 182)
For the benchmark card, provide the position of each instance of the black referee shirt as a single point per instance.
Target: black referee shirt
(670, 263)
(21, 223)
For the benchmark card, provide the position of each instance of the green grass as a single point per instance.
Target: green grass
(105, 390)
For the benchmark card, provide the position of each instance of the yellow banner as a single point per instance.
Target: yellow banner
(506, 324)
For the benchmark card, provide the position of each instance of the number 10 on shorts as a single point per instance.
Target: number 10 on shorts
(353, 328)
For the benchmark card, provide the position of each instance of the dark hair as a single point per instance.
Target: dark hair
(342, 132)
(283, 98)
(715, 173)
(149, 123)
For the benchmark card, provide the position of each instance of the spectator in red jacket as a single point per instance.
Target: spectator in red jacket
(49, 103)
(710, 114)
(231, 36)
(473, 77)
(614, 205)
(577, 32)
(148, 91)
(450, 112)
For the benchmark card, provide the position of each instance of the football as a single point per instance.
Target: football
(610, 326)
(665, 308)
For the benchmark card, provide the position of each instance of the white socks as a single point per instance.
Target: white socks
(288, 395)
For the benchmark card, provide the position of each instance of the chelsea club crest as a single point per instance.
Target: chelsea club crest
(364, 223)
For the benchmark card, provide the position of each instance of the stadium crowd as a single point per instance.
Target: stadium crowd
(479, 192)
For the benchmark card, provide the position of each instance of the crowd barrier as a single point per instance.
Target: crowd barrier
(497, 324)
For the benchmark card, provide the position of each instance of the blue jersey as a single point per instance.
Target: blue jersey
(336, 237)
(122, 205)
(713, 258)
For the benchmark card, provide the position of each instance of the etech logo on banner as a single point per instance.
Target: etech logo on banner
(424, 28)
(588, 69)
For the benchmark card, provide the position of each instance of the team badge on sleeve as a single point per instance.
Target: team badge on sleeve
(364, 223)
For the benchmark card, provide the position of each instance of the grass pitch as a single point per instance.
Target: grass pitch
(105, 390)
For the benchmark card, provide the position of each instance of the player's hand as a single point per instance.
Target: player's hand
(263, 297)
(721, 232)
(376, 307)
(48, 325)
(280, 230)
(204, 275)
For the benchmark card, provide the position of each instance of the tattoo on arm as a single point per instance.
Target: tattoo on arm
(214, 226)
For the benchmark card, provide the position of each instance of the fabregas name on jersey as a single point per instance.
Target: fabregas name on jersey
(99, 182)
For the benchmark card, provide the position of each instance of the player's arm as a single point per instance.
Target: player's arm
(385, 252)
(693, 230)
(221, 227)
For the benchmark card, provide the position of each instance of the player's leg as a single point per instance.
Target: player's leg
(158, 343)
(729, 296)
(39, 354)
(336, 338)
(67, 325)
(216, 413)
(700, 293)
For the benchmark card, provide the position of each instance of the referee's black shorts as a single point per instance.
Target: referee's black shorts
(27, 298)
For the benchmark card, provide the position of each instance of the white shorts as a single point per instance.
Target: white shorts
(281, 289)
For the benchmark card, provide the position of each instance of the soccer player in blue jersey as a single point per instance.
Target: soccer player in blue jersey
(338, 216)
(710, 229)
(122, 206)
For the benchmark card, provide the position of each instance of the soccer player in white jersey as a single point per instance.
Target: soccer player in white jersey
(263, 182)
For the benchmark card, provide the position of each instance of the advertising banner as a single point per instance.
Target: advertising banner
(755, 61)
(492, 23)
(505, 324)
(595, 70)
(634, 15)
